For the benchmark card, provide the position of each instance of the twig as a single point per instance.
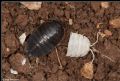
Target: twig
(58, 59)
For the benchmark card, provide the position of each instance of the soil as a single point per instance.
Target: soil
(17, 19)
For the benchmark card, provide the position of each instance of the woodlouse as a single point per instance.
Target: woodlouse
(45, 38)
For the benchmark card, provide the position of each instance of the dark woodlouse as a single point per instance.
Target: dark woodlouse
(45, 38)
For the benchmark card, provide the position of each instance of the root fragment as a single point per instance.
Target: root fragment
(58, 59)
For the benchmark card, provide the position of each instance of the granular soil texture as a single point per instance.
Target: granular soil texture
(85, 16)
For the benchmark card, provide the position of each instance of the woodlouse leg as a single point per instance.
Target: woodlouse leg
(92, 55)
(58, 59)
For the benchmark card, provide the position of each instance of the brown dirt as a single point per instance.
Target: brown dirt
(86, 15)
(16, 63)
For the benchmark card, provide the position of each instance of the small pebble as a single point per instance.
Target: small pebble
(104, 4)
(7, 49)
(32, 5)
(13, 71)
(42, 21)
(22, 38)
(24, 61)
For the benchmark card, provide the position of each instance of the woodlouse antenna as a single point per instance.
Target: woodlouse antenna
(96, 40)
(108, 58)
(58, 59)
(92, 55)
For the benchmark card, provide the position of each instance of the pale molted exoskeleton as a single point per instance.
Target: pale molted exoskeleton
(79, 45)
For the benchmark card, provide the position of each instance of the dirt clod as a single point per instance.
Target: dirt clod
(60, 76)
(11, 44)
(22, 20)
(100, 73)
(6, 66)
(114, 76)
(16, 62)
(39, 76)
(115, 23)
(95, 5)
(23, 79)
(108, 33)
(110, 50)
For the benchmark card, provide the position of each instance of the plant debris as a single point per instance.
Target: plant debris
(32, 5)
(87, 70)
(99, 25)
(102, 34)
(107, 32)
(105, 4)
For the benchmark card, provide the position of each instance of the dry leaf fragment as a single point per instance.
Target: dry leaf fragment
(87, 70)
(108, 33)
(115, 23)
(32, 5)
(104, 4)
